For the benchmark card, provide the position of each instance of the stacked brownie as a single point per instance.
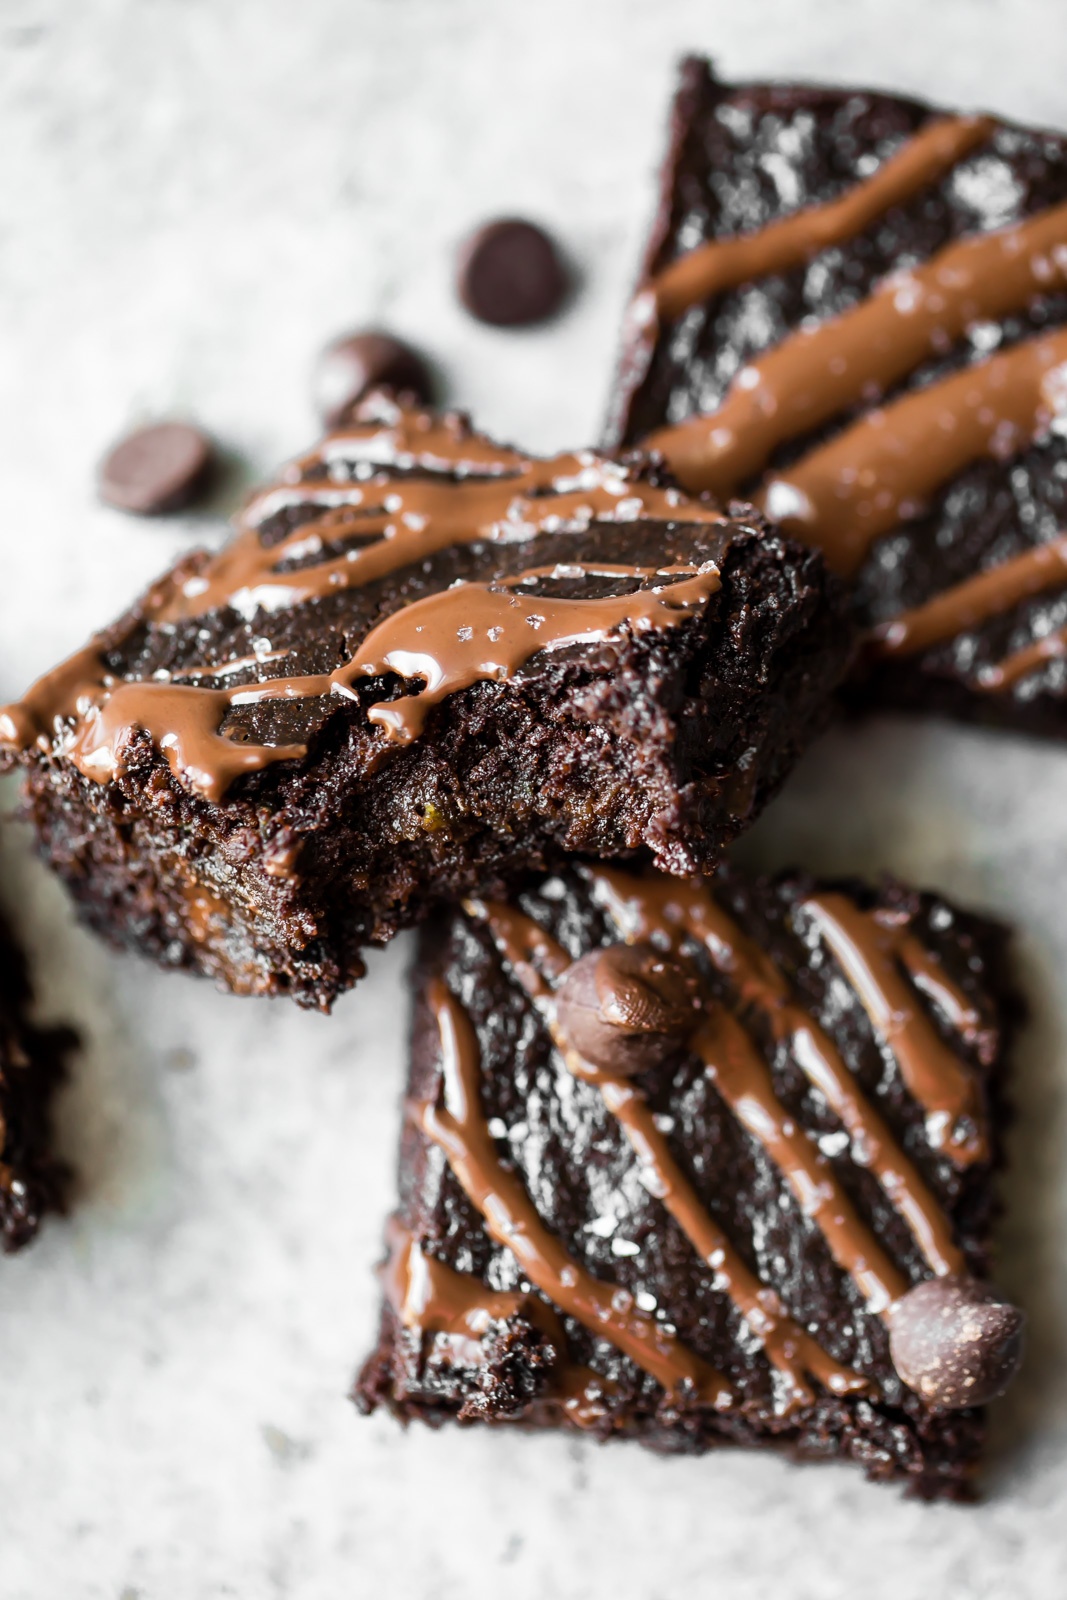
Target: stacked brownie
(687, 1156)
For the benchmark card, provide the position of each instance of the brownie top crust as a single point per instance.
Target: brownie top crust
(703, 1140)
(853, 311)
(405, 550)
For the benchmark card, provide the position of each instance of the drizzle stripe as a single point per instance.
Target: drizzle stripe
(927, 974)
(472, 632)
(512, 1220)
(724, 263)
(966, 604)
(790, 1349)
(643, 908)
(1031, 658)
(433, 1298)
(867, 952)
(744, 1081)
(407, 520)
(877, 473)
(815, 374)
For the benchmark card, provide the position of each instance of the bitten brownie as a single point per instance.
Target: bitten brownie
(705, 1162)
(853, 310)
(425, 663)
(31, 1066)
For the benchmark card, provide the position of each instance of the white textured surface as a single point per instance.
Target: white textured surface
(195, 195)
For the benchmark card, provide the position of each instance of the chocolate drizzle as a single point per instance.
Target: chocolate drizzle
(660, 908)
(744, 1009)
(791, 1350)
(871, 951)
(881, 469)
(722, 264)
(436, 1300)
(818, 373)
(1021, 663)
(987, 594)
(442, 643)
(459, 1127)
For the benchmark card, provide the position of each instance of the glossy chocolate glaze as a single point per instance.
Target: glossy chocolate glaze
(475, 494)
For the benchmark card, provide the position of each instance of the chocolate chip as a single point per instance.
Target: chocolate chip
(955, 1342)
(511, 274)
(627, 1007)
(159, 468)
(351, 366)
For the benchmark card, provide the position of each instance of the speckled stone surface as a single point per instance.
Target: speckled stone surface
(196, 197)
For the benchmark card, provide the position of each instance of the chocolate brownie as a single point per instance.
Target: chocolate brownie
(705, 1162)
(854, 310)
(426, 662)
(31, 1066)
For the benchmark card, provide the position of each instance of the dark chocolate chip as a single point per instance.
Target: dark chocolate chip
(159, 468)
(955, 1342)
(627, 1007)
(351, 366)
(511, 274)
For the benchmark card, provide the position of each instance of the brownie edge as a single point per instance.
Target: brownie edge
(32, 1065)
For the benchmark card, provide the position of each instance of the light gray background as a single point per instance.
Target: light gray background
(192, 197)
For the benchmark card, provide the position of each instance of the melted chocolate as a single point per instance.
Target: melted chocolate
(804, 427)
(866, 948)
(673, 912)
(882, 470)
(724, 263)
(791, 1350)
(987, 594)
(511, 1218)
(819, 373)
(723, 1188)
(871, 952)
(445, 641)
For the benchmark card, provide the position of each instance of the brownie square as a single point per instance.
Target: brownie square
(853, 310)
(732, 1204)
(31, 1066)
(426, 663)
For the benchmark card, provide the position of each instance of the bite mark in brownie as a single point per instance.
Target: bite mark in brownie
(425, 663)
(853, 309)
(32, 1063)
(676, 1154)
